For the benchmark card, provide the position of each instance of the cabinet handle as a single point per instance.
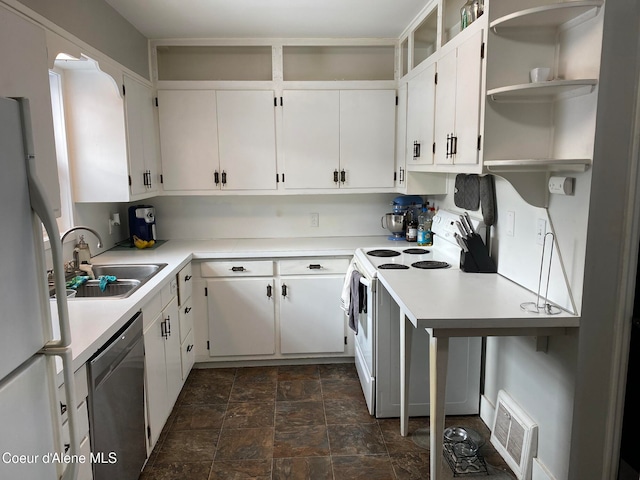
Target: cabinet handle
(315, 266)
(269, 293)
(401, 174)
(63, 408)
(144, 179)
(343, 176)
(187, 278)
(224, 177)
(335, 176)
(216, 177)
(449, 144)
(168, 326)
(163, 330)
(187, 309)
(284, 290)
(416, 149)
(189, 348)
(454, 148)
(238, 269)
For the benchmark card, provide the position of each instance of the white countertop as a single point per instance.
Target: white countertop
(94, 321)
(453, 299)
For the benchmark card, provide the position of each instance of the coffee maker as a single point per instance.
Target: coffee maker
(142, 222)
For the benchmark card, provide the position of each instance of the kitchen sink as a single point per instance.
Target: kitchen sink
(126, 271)
(117, 289)
(129, 277)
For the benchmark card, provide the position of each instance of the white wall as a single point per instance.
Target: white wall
(270, 216)
(541, 383)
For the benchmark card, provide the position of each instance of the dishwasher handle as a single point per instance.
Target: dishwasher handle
(107, 359)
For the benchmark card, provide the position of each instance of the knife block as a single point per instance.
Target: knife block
(477, 259)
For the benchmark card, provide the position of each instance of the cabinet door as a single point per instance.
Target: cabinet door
(247, 139)
(241, 316)
(458, 104)
(420, 117)
(467, 114)
(188, 355)
(172, 353)
(401, 137)
(311, 320)
(142, 137)
(155, 379)
(25, 73)
(311, 138)
(188, 139)
(445, 108)
(367, 138)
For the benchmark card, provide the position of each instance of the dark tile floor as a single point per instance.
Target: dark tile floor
(290, 422)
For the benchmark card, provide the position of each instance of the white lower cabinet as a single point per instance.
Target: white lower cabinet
(241, 316)
(311, 320)
(163, 361)
(256, 311)
(85, 471)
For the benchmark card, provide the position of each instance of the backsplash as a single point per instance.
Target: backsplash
(270, 216)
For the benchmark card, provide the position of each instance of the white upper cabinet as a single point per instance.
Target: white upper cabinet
(457, 118)
(311, 138)
(338, 139)
(24, 73)
(247, 139)
(111, 134)
(213, 140)
(367, 138)
(142, 138)
(188, 139)
(420, 117)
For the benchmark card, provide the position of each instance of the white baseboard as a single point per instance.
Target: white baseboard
(487, 411)
(540, 472)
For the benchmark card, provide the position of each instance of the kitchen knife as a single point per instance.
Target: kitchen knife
(461, 229)
(468, 223)
(461, 242)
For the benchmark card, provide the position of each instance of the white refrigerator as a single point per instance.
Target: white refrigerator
(31, 446)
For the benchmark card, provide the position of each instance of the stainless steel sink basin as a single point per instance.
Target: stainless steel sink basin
(129, 277)
(117, 289)
(126, 271)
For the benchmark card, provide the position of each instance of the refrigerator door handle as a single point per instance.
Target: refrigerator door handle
(41, 207)
(71, 471)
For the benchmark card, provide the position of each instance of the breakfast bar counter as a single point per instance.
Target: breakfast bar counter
(451, 303)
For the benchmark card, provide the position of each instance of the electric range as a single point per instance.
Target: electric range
(377, 343)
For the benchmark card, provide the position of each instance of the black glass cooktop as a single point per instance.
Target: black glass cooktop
(383, 253)
(430, 264)
(393, 266)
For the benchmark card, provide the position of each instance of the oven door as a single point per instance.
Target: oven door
(365, 344)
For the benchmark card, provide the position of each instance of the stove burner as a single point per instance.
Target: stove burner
(416, 251)
(430, 264)
(383, 253)
(393, 266)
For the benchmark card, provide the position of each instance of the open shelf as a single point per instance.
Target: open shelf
(538, 165)
(543, 92)
(547, 16)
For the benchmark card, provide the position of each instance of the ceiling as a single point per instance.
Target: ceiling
(158, 19)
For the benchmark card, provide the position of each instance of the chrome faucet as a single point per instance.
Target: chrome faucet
(81, 245)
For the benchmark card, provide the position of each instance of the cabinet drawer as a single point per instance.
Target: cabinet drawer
(83, 424)
(188, 355)
(237, 268)
(80, 377)
(185, 282)
(186, 319)
(314, 266)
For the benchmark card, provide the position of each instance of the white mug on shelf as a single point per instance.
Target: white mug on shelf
(540, 74)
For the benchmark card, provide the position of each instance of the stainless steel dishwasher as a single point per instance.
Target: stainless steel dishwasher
(116, 405)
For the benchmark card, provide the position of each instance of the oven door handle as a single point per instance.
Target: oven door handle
(366, 282)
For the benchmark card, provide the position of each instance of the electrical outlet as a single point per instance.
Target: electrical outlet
(541, 230)
(511, 223)
(314, 219)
